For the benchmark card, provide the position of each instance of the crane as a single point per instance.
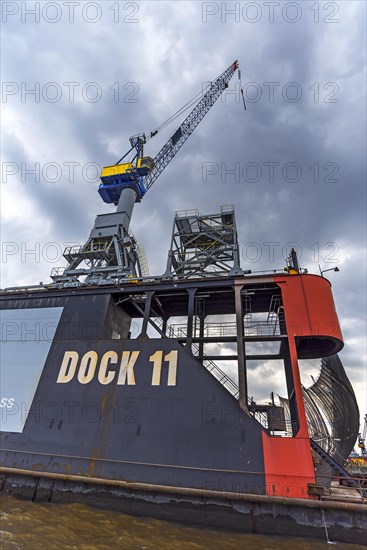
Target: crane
(362, 438)
(140, 174)
(111, 253)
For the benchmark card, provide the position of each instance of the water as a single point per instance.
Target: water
(34, 526)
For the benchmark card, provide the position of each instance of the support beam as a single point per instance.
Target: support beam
(151, 322)
(295, 395)
(242, 377)
(222, 357)
(148, 302)
(164, 324)
(263, 357)
(201, 335)
(222, 339)
(190, 318)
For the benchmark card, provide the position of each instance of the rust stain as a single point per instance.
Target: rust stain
(92, 461)
(39, 467)
(103, 404)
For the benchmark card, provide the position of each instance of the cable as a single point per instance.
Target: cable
(125, 155)
(241, 88)
(184, 108)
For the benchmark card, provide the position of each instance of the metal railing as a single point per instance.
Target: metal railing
(212, 330)
(222, 377)
(57, 271)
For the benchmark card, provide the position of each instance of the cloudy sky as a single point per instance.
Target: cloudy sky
(79, 78)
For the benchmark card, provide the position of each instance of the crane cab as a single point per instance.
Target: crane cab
(115, 178)
(123, 172)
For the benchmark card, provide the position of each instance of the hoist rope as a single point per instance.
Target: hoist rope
(179, 112)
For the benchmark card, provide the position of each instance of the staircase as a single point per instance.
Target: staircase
(221, 376)
(213, 368)
(337, 468)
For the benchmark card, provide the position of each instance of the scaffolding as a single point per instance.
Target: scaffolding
(203, 245)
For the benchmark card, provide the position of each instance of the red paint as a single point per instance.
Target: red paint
(288, 466)
(309, 306)
(288, 460)
(309, 313)
(303, 429)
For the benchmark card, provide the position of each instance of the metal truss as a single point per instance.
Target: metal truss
(203, 245)
(184, 131)
(111, 253)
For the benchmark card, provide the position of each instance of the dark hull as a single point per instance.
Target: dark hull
(236, 512)
(130, 423)
(192, 434)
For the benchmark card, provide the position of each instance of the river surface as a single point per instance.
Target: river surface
(33, 526)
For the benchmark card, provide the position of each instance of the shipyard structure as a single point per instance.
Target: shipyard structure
(114, 387)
